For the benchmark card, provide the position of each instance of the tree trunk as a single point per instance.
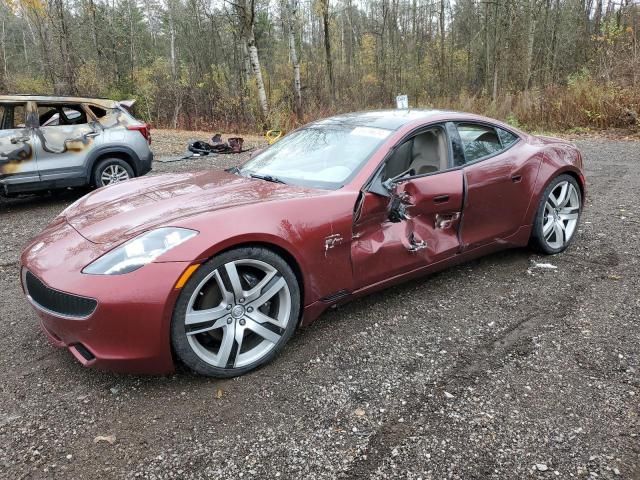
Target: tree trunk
(531, 33)
(66, 50)
(3, 73)
(327, 48)
(442, 61)
(254, 59)
(172, 41)
(297, 87)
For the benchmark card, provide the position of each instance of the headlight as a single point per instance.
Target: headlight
(139, 251)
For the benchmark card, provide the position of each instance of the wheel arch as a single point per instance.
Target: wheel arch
(549, 172)
(289, 257)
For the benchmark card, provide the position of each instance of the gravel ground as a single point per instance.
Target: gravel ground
(494, 369)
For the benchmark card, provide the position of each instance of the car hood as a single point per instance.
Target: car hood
(117, 212)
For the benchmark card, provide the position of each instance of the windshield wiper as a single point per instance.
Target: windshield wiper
(268, 178)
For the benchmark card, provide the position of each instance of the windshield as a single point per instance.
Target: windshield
(321, 156)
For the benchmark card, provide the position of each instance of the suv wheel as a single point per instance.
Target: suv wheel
(110, 171)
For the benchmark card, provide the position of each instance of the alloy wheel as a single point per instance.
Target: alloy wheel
(113, 174)
(560, 215)
(238, 313)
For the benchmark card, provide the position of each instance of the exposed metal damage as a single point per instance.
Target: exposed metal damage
(61, 135)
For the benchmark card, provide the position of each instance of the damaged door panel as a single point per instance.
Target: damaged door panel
(17, 156)
(499, 173)
(66, 136)
(414, 227)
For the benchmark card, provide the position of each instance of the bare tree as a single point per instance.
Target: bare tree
(292, 20)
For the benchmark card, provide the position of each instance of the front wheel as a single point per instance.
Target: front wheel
(557, 215)
(236, 312)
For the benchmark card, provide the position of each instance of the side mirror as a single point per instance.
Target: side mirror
(387, 187)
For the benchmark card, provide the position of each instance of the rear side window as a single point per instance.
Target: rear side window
(507, 138)
(97, 111)
(480, 141)
(13, 116)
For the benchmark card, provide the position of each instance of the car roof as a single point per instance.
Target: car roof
(387, 119)
(102, 102)
(397, 119)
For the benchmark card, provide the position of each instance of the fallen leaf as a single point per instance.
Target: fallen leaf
(219, 393)
(110, 439)
(359, 412)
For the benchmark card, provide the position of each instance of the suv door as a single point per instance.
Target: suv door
(417, 224)
(498, 174)
(66, 135)
(18, 163)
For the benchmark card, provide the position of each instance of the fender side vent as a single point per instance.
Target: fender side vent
(334, 297)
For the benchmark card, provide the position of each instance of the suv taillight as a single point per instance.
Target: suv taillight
(144, 129)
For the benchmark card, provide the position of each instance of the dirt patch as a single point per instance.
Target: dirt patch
(492, 369)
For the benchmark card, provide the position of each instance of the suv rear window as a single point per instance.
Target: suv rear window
(97, 111)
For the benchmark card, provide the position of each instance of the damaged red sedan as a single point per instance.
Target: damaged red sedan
(217, 269)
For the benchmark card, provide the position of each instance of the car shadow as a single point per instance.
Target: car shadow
(26, 201)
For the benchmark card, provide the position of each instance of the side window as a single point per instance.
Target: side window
(507, 138)
(59, 115)
(97, 111)
(426, 152)
(478, 141)
(13, 116)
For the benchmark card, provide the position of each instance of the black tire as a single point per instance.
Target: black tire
(538, 241)
(179, 341)
(106, 163)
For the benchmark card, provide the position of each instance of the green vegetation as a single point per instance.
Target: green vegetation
(217, 64)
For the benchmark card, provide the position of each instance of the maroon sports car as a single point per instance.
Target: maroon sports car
(218, 268)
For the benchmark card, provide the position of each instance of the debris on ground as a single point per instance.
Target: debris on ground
(541, 266)
(110, 439)
(217, 146)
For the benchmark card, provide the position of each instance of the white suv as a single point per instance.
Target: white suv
(56, 142)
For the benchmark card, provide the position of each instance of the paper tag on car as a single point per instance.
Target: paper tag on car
(380, 133)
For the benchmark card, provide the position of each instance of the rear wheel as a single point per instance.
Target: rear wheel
(557, 216)
(236, 312)
(110, 171)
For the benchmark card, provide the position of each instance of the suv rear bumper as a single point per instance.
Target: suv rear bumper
(145, 165)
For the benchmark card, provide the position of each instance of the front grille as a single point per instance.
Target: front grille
(58, 302)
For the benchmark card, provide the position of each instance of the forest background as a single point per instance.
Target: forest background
(249, 65)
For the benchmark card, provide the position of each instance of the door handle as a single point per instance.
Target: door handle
(20, 139)
(441, 199)
(516, 178)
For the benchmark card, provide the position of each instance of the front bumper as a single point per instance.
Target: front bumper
(129, 329)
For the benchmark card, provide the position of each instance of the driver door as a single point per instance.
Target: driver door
(428, 191)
